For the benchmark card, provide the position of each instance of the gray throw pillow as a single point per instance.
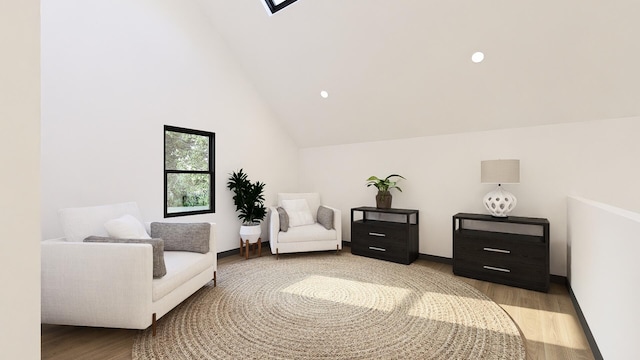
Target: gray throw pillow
(159, 269)
(193, 237)
(325, 217)
(284, 219)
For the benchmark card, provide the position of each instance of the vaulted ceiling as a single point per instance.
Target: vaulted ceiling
(400, 69)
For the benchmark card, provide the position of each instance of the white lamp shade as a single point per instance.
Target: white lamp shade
(500, 171)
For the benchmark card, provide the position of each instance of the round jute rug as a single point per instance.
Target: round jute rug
(328, 306)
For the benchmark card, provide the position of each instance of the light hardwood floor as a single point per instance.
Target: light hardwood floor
(547, 320)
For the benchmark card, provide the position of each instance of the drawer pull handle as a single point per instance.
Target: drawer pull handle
(496, 269)
(498, 250)
(377, 234)
(376, 248)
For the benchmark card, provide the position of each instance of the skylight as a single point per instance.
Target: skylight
(276, 5)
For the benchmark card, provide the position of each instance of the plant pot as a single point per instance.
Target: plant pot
(383, 200)
(250, 232)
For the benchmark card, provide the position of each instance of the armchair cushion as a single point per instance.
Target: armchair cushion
(157, 245)
(309, 233)
(325, 217)
(126, 227)
(298, 211)
(284, 219)
(313, 200)
(192, 237)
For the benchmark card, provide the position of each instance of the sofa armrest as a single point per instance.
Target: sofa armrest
(96, 284)
(274, 228)
(337, 223)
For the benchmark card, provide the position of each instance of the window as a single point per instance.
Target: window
(277, 5)
(188, 172)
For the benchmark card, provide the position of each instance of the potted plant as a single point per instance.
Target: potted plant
(249, 202)
(383, 198)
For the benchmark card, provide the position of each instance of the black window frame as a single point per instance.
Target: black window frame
(275, 8)
(210, 171)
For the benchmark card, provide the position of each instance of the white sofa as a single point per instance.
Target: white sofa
(111, 284)
(312, 237)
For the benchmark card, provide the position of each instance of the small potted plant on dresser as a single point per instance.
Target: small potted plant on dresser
(249, 201)
(383, 198)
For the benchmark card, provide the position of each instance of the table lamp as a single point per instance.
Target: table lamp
(500, 202)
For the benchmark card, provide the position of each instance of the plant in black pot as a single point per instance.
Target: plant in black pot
(383, 198)
(249, 201)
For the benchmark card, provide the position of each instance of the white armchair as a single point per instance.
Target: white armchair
(309, 237)
(112, 284)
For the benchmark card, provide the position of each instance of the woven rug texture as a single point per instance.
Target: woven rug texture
(328, 306)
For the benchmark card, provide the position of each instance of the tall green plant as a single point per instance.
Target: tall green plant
(248, 198)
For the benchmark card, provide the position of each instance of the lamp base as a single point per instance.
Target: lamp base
(499, 202)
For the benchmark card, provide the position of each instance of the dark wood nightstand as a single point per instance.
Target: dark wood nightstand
(385, 234)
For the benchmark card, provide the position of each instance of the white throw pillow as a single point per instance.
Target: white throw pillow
(126, 227)
(298, 211)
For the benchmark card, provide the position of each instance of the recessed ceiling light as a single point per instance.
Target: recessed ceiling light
(477, 57)
(324, 94)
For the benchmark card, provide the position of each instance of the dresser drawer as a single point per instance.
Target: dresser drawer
(499, 249)
(374, 230)
(378, 239)
(379, 252)
(529, 276)
(377, 242)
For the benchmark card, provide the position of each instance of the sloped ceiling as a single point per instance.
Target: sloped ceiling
(399, 69)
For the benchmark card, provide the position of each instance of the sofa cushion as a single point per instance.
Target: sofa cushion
(325, 217)
(182, 266)
(284, 219)
(157, 245)
(313, 232)
(298, 211)
(78, 223)
(126, 227)
(192, 237)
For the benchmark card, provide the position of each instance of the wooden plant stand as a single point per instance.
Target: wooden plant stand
(245, 246)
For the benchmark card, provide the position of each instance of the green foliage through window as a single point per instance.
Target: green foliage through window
(188, 168)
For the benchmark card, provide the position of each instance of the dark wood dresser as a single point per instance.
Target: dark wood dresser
(385, 234)
(512, 251)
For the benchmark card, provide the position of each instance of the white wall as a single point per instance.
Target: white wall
(604, 272)
(595, 159)
(113, 73)
(20, 180)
